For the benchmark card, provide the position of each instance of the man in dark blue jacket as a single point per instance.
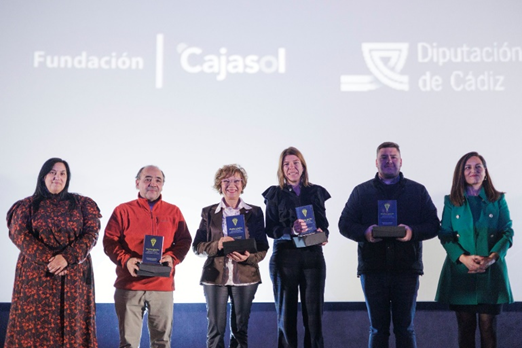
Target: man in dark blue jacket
(389, 268)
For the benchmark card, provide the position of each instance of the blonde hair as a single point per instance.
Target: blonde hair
(227, 171)
(280, 173)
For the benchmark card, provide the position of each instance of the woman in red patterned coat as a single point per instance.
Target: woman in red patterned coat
(53, 296)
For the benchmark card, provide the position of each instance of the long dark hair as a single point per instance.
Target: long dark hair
(459, 184)
(41, 192)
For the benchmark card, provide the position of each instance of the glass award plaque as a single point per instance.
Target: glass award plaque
(387, 213)
(236, 230)
(152, 249)
(306, 213)
(387, 220)
(150, 265)
(311, 236)
(236, 226)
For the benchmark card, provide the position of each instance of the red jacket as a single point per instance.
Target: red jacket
(124, 235)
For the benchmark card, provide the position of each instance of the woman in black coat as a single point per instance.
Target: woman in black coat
(295, 270)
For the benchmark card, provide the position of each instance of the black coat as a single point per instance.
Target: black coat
(414, 209)
(281, 214)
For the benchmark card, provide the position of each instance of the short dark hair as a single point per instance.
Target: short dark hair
(459, 184)
(147, 166)
(41, 192)
(387, 144)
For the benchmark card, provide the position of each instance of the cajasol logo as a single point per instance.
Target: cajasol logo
(222, 64)
(385, 60)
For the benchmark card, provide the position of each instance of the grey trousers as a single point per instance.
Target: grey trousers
(131, 306)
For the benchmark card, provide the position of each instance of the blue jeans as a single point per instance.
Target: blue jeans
(391, 296)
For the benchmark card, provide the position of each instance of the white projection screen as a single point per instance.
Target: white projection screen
(111, 86)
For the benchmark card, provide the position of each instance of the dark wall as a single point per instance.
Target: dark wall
(345, 326)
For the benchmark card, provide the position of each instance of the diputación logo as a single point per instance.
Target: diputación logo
(385, 60)
(436, 67)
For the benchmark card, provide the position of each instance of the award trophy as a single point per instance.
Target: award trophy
(150, 265)
(311, 236)
(388, 221)
(236, 230)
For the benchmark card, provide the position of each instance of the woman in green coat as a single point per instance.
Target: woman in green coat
(476, 233)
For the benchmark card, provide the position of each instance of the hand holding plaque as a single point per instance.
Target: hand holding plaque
(310, 236)
(236, 230)
(152, 252)
(387, 210)
(306, 213)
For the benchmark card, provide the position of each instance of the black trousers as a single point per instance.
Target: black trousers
(241, 298)
(297, 272)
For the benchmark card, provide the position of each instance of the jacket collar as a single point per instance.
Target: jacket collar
(377, 180)
(241, 206)
(482, 194)
(144, 203)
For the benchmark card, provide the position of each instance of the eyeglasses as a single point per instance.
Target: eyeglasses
(478, 168)
(233, 181)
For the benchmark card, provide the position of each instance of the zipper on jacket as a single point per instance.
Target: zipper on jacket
(153, 230)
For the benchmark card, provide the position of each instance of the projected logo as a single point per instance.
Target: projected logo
(385, 60)
(194, 61)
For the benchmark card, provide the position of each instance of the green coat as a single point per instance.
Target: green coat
(459, 235)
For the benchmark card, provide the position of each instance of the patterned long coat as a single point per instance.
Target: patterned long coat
(49, 310)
